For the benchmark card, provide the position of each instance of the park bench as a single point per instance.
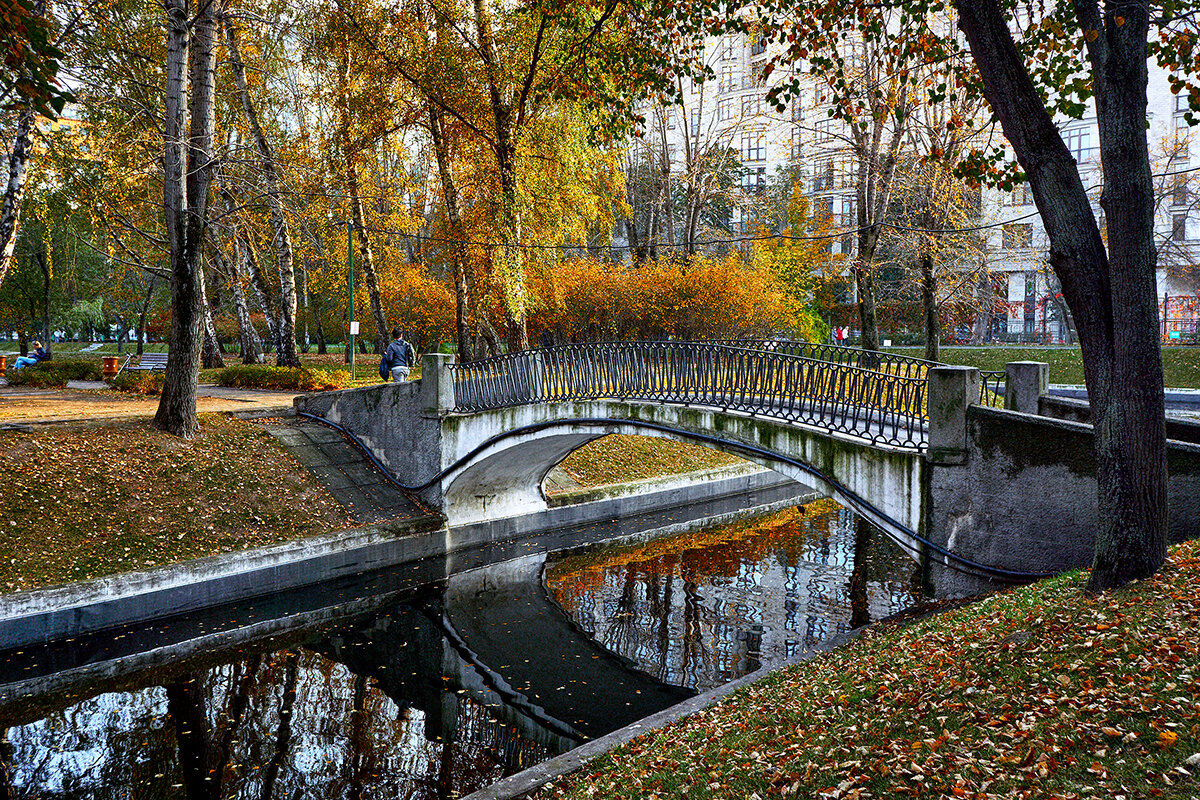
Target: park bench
(148, 361)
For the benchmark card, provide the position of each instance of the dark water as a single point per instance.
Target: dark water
(439, 688)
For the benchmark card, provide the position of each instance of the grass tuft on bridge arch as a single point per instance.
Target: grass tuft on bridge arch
(1035, 692)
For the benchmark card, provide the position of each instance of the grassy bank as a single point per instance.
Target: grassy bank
(1181, 365)
(81, 501)
(1037, 692)
(621, 459)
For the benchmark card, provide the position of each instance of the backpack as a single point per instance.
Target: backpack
(385, 369)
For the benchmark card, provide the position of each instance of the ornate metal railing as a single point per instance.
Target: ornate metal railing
(904, 366)
(991, 388)
(876, 405)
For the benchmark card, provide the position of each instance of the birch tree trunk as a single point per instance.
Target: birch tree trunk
(285, 331)
(14, 190)
(210, 349)
(248, 339)
(185, 195)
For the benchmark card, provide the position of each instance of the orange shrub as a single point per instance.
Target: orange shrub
(704, 298)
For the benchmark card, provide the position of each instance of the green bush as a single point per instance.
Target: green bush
(138, 382)
(54, 373)
(300, 379)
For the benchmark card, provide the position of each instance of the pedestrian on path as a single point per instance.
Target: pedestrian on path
(398, 358)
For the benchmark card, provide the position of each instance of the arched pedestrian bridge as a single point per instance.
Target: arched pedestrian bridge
(912, 446)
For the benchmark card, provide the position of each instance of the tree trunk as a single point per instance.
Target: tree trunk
(986, 307)
(44, 264)
(864, 279)
(186, 202)
(462, 289)
(285, 333)
(366, 256)
(510, 258)
(635, 245)
(933, 325)
(210, 350)
(14, 190)
(248, 340)
(1111, 294)
(322, 348)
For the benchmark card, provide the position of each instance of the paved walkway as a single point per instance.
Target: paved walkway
(342, 468)
(91, 400)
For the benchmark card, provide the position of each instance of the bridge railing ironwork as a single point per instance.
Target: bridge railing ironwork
(880, 361)
(991, 388)
(879, 406)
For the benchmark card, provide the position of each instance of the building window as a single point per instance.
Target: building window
(823, 178)
(725, 108)
(849, 223)
(824, 130)
(1018, 236)
(1021, 195)
(797, 148)
(752, 147)
(729, 77)
(1078, 141)
(1179, 191)
(1181, 102)
(1179, 227)
(695, 119)
(751, 106)
(797, 109)
(755, 180)
(759, 46)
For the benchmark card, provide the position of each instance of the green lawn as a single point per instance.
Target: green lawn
(1181, 365)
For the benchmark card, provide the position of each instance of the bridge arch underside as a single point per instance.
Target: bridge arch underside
(496, 460)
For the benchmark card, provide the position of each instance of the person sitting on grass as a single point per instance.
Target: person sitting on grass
(39, 354)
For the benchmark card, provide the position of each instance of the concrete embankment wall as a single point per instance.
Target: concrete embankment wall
(1025, 496)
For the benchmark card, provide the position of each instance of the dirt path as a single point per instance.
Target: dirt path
(20, 405)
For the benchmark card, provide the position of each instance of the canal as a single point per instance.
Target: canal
(413, 684)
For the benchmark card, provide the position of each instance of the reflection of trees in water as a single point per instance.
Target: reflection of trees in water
(282, 725)
(753, 593)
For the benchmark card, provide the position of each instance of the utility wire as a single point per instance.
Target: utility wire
(839, 234)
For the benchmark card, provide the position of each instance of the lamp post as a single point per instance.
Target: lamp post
(350, 284)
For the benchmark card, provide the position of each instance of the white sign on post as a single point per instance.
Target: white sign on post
(354, 328)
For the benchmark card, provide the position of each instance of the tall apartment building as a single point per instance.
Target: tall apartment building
(731, 112)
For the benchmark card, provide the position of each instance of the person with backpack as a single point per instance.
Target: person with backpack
(398, 359)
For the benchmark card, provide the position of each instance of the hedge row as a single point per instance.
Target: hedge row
(299, 379)
(54, 373)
